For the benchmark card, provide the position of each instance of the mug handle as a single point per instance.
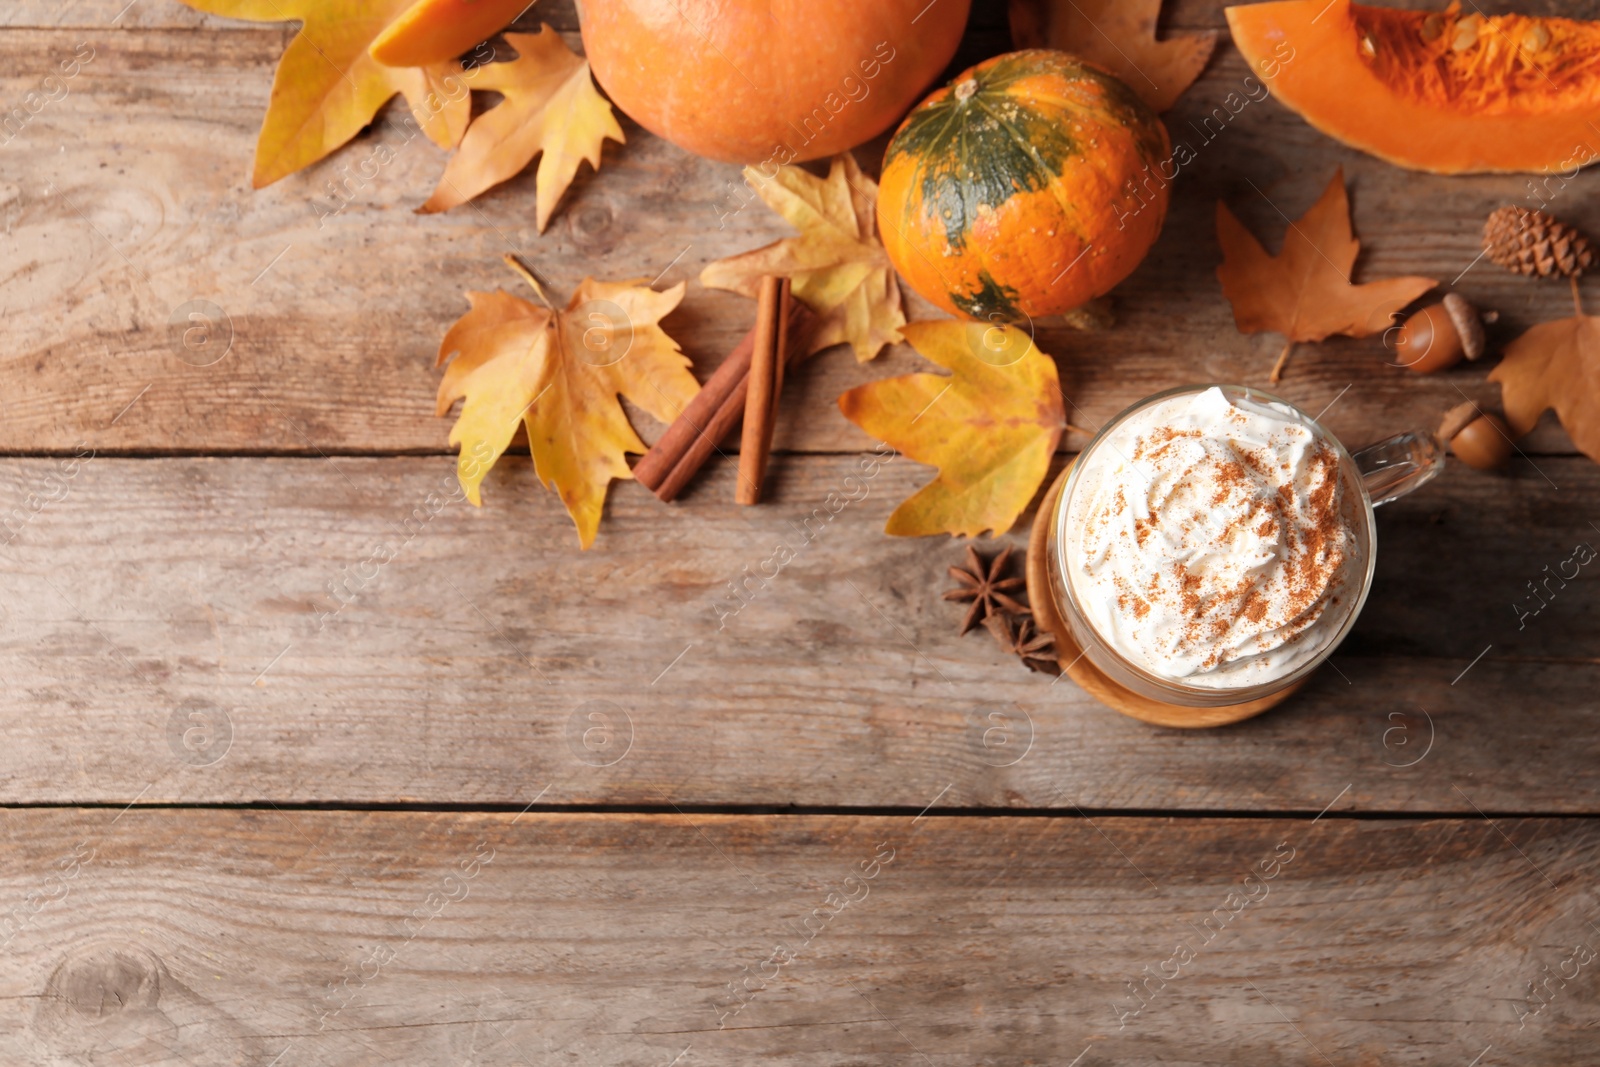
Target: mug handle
(1396, 465)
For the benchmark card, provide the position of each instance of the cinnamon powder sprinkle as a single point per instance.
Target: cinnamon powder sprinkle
(1315, 550)
(1229, 547)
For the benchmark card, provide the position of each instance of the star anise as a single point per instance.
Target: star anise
(986, 587)
(1018, 635)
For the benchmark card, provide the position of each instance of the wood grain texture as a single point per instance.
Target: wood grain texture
(368, 642)
(233, 937)
(266, 624)
(128, 198)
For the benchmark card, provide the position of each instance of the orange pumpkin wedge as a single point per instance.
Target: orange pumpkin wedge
(1438, 91)
(437, 31)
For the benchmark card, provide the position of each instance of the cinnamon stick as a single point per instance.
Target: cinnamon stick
(761, 392)
(695, 419)
(785, 304)
(706, 420)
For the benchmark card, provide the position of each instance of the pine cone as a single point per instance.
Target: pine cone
(1530, 242)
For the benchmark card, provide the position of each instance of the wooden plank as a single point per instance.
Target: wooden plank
(128, 198)
(176, 937)
(365, 637)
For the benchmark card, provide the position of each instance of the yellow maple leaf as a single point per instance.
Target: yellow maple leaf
(559, 373)
(990, 426)
(837, 265)
(551, 106)
(327, 86)
(1119, 36)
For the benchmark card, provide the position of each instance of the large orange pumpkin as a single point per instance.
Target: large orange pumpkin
(768, 81)
(1442, 91)
(1031, 184)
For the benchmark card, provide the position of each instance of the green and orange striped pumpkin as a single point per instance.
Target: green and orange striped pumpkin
(1029, 185)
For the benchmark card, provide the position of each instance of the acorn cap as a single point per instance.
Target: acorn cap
(1456, 419)
(1468, 324)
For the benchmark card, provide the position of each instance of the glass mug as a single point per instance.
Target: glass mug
(1375, 475)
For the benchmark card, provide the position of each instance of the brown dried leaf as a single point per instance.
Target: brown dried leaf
(1305, 292)
(1555, 365)
(1120, 36)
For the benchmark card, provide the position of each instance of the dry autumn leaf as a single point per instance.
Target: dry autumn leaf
(990, 426)
(837, 265)
(560, 373)
(1120, 36)
(1555, 365)
(551, 107)
(327, 87)
(1304, 292)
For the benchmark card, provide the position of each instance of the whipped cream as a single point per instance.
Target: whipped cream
(1211, 541)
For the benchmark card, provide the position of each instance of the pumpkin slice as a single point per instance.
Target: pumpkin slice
(1437, 91)
(437, 31)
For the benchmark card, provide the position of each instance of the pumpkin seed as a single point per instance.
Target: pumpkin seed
(1432, 27)
(1535, 38)
(1466, 34)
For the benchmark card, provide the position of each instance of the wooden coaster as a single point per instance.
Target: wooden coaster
(1092, 679)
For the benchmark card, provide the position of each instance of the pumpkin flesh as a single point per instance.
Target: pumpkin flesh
(1436, 91)
(437, 31)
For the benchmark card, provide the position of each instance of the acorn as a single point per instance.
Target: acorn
(1480, 439)
(1439, 335)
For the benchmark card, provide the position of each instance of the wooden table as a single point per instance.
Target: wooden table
(517, 804)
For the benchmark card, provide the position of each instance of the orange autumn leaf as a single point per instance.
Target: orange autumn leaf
(328, 87)
(551, 107)
(560, 374)
(990, 426)
(1555, 365)
(1120, 36)
(1305, 292)
(437, 31)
